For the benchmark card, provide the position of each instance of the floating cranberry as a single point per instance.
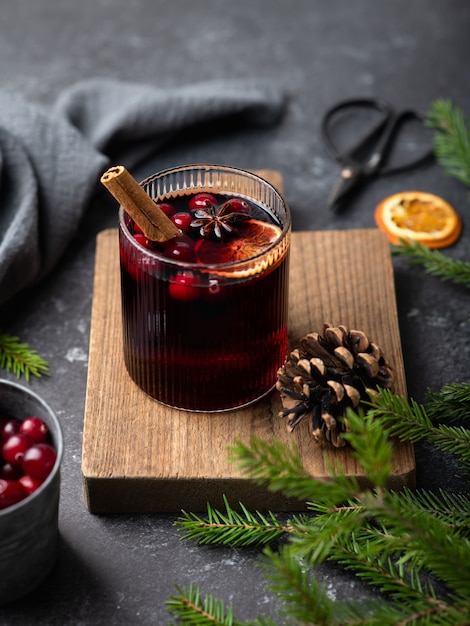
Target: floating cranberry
(139, 266)
(35, 427)
(167, 208)
(14, 448)
(202, 201)
(182, 221)
(38, 460)
(238, 205)
(180, 249)
(185, 287)
(143, 240)
(11, 492)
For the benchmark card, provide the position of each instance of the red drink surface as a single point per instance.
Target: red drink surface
(196, 337)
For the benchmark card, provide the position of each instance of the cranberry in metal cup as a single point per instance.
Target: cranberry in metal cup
(31, 448)
(205, 311)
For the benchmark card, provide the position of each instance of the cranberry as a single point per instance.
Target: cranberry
(10, 427)
(35, 427)
(238, 205)
(182, 221)
(128, 220)
(29, 483)
(202, 201)
(38, 460)
(185, 287)
(181, 249)
(167, 208)
(11, 492)
(3, 421)
(14, 448)
(139, 266)
(25, 439)
(10, 472)
(143, 240)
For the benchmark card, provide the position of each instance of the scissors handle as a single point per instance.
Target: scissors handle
(349, 157)
(369, 155)
(380, 135)
(387, 139)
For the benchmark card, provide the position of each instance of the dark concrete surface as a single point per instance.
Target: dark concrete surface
(120, 570)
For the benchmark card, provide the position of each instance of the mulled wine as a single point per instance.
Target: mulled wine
(205, 314)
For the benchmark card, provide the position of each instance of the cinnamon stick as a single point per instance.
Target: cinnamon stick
(139, 205)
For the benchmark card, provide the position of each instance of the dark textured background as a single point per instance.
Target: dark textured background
(120, 570)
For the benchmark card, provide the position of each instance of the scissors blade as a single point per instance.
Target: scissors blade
(349, 179)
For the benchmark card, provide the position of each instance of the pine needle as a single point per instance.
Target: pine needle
(435, 262)
(451, 140)
(193, 608)
(20, 358)
(232, 527)
(410, 421)
(452, 509)
(299, 591)
(412, 546)
(279, 467)
(451, 404)
(451, 144)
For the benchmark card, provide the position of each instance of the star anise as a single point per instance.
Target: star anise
(217, 223)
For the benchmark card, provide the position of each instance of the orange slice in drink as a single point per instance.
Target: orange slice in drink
(419, 216)
(252, 237)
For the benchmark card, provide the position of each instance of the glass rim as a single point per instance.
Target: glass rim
(286, 227)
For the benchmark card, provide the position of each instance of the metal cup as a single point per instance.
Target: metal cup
(29, 530)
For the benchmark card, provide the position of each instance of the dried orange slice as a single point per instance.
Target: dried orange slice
(420, 216)
(253, 236)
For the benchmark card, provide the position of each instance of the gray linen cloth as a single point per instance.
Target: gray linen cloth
(51, 158)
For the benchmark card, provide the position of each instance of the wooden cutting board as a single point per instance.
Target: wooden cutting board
(141, 456)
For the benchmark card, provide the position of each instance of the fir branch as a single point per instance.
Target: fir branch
(366, 434)
(383, 572)
(451, 140)
(392, 557)
(434, 262)
(369, 612)
(454, 440)
(403, 418)
(429, 544)
(279, 467)
(192, 608)
(315, 540)
(232, 527)
(452, 509)
(20, 358)
(409, 421)
(452, 403)
(393, 541)
(303, 598)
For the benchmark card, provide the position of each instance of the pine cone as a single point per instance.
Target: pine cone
(327, 374)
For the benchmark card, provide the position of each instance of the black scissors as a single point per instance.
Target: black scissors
(369, 155)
